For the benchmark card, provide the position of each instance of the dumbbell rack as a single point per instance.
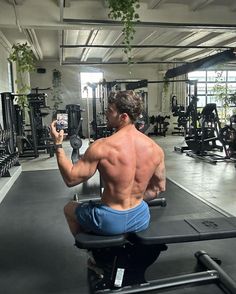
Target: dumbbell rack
(7, 159)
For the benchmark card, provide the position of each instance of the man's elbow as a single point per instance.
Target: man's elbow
(73, 182)
(162, 189)
(70, 182)
(162, 186)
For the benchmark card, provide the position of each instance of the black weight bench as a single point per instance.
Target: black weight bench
(125, 258)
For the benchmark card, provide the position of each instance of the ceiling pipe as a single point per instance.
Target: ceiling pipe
(147, 46)
(89, 22)
(119, 62)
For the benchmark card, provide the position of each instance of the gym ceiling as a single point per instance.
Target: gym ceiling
(80, 32)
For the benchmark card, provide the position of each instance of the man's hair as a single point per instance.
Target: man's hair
(127, 102)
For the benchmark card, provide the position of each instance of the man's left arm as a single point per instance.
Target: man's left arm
(157, 183)
(81, 171)
(74, 174)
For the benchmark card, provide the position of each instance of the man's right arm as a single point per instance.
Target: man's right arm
(157, 183)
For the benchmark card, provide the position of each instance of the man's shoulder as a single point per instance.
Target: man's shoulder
(100, 145)
(155, 146)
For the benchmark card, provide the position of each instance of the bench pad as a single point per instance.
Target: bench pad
(166, 232)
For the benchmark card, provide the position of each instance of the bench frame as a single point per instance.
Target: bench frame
(125, 258)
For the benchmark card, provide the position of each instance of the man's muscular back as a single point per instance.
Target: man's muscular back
(128, 162)
(131, 165)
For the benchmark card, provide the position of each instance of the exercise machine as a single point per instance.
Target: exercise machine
(206, 139)
(187, 115)
(160, 125)
(228, 136)
(8, 152)
(74, 128)
(29, 135)
(122, 260)
(178, 110)
(8, 159)
(203, 135)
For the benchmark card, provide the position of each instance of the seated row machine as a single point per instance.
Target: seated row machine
(123, 259)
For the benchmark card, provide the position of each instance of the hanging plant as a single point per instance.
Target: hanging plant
(166, 85)
(24, 58)
(56, 89)
(125, 10)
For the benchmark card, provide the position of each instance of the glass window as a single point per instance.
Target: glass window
(213, 88)
(197, 75)
(232, 76)
(201, 101)
(218, 75)
(212, 82)
(232, 87)
(10, 77)
(87, 80)
(201, 88)
(213, 99)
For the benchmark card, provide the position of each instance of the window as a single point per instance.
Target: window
(87, 81)
(206, 82)
(10, 77)
(197, 75)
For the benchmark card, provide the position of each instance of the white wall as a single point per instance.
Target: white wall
(71, 83)
(4, 78)
(157, 102)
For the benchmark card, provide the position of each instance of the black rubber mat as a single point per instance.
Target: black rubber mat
(36, 249)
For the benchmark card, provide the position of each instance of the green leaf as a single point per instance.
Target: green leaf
(125, 10)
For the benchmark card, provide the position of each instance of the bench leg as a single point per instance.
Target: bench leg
(122, 266)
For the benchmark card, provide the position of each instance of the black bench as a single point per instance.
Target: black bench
(125, 258)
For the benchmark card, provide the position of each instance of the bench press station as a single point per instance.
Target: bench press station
(124, 259)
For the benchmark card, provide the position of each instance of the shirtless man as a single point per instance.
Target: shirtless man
(131, 167)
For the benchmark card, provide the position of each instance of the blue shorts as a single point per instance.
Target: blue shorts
(104, 220)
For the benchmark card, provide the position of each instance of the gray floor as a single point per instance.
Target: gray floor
(214, 184)
(37, 253)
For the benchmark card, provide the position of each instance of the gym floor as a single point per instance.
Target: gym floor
(214, 184)
(36, 249)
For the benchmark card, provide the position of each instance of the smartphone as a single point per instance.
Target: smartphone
(62, 121)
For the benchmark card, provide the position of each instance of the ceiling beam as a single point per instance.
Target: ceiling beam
(65, 3)
(200, 4)
(233, 7)
(33, 41)
(91, 38)
(108, 53)
(203, 63)
(16, 2)
(231, 42)
(155, 3)
(60, 50)
(194, 40)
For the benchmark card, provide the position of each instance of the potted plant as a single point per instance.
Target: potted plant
(125, 10)
(24, 59)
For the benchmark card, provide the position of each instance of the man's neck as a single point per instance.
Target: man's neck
(127, 125)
